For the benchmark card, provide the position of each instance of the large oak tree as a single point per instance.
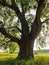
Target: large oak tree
(30, 25)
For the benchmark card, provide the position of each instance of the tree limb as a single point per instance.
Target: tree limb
(21, 17)
(3, 31)
(13, 6)
(36, 26)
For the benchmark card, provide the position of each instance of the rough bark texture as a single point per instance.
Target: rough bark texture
(26, 50)
(27, 44)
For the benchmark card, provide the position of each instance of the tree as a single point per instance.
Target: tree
(28, 25)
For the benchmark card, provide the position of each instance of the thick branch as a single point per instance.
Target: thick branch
(3, 31)
(41, 6)
(13, 6)
(36, 26)
(21, 16)
(24, 23)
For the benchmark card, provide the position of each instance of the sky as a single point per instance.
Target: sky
(46, 47)
(36, 47)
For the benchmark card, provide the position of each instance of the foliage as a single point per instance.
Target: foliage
(42, 39)
(13, 47)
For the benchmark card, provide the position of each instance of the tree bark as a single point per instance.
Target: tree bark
(26, 50)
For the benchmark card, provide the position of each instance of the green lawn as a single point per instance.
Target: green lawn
(9, 59)
(6, 56)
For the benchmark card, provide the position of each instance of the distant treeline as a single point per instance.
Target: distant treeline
(41, 51)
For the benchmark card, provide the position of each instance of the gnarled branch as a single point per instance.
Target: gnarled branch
(3, 31)
(36, 26)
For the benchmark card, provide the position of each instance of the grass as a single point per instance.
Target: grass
(6, 56)
(9, 59)
(42, 59)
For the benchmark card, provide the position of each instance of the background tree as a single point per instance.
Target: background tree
(23, 21)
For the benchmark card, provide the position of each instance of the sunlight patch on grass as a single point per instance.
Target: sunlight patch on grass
(6, 56)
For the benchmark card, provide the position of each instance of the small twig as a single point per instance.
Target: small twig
(14, 27)
(45, 20)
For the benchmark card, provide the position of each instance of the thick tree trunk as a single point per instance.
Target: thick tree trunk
(26, 50)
